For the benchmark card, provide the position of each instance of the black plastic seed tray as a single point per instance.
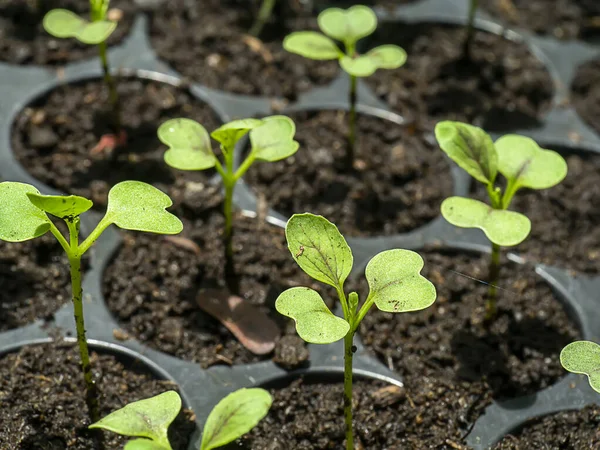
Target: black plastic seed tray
(202, 389)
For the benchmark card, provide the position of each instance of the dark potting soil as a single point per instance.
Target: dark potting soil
(451, 363)
(23, 39)
(569, 430)
(43, 399)
(563, 19)
(565, 219)
(501, 86)
(52, 138)
(396, 185)
(207, 42)
(151, 285)
(585, 93)
(310, 416)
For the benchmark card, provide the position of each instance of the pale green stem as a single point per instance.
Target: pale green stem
(244, 167)
(264, 13)
(348, 354)
(229, 181)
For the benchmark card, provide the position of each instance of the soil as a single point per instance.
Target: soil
(43, 402)
(500, 86)
(23, 39)
(451, 363)
(152, 284)
(585, 93)
(207, 42)
(396, 185)
(569, 430)
(52, 137)
(34, 281)
(563, 19)
(565, 229)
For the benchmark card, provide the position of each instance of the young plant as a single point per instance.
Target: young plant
(62, 23)
(347, 26)
(395, 285)
(271, 139)
(473, 5)
(132, 205)
(522, 163)
(149, 420)
(583, 357)
(266, 8)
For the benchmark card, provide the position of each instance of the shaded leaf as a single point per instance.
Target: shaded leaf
(274, 139)
(20, 220)
(144, 444)
(396, 283)
(502, 227)
(313, 45)
(61, 206)
(230, 133)
(189, 145)
(348, 25)
(383, 57)
(319, 248)
(583, 357)
(315, 323)
(133, 205)
(234, 416)
(62, 23)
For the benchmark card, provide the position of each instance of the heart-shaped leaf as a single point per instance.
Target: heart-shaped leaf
(522, 160)
(133, 205)
(383, 57)
(502, 227)
(396, 283)
(61, 206)
(144, 444)
(319, 248)
(189, 145)
(149, 418)
(348, 25)
(470, 147)
(62, 23)
(20, 220)
(229, 134)
(583, 357)
(234, 416)
(274, 139)
(313, 45)
(315, 323)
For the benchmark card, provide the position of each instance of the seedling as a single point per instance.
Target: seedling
(347, 26)
(524, 165)
(62, 23)
(473, 5)
(266, 8)
(395, 285)
(132, 205)
(271, 139)
(149, 420)
(583, 357)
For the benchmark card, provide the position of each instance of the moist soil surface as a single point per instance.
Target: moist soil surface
(152, 284)
(585, 93)
(396, 184)
(500, 86)
(53, 137)
(565, 219)
(563, 19)
(43, 399)
(23, 39)
(569, 430)
(208, 42)
(451, 363)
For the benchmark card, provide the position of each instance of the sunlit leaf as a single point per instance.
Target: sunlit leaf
(62, 23)
(20, 220)
(274, 139)
(313, 45)
(189, 145)
(583, 357)
(61, 206)
(348, 25)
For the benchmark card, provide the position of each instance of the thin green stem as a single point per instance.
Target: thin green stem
(60, 238)
(344, 302)
(228, 213)
(348, 354)
(474, 4)
(244, 167)
(266, 8)
(229, 181)
(491, 308)
(351, 121)
(112, 89)
(509, 193)
(94, 235)
(361, 314)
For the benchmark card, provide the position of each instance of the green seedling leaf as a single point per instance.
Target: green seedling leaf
(61, 206)
(149, 418)
(189, 145)
(383, 57)
(313, 45)
(315, 323)
(396, 283)
(20, 220)
(62, 23)
(144, 444)
(502, 227)
(274, 139)
(583, 357)
(229, 134)
(234, 416)
(522, 160)
(319, 248)
(348, 25)
(470, 147)
(133, 205)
